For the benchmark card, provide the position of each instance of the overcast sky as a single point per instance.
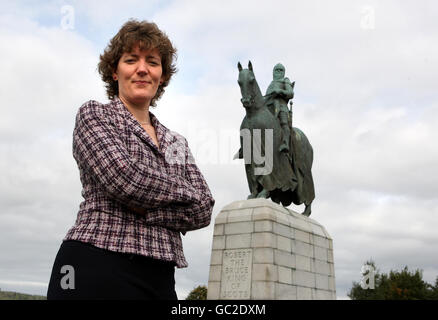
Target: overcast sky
(366, 96)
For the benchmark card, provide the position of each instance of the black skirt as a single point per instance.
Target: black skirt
(85, 272)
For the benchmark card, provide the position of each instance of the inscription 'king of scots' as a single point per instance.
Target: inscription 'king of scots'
(236, 274)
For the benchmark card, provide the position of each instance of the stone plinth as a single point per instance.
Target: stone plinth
(262, 250)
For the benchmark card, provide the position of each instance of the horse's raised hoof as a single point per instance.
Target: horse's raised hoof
(307, 211)
(263, 194)
(283, 148)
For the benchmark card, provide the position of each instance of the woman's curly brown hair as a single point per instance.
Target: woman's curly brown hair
(147, 35)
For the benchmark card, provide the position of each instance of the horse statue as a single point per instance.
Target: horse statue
(288, 178)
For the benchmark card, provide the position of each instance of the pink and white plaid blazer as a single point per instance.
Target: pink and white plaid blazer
(138, 198)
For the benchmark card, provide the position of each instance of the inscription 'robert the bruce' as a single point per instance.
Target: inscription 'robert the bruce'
(236, 274)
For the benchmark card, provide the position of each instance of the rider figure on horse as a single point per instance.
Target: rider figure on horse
(279, 92)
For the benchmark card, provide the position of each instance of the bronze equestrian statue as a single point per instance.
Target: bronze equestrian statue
(286, 178)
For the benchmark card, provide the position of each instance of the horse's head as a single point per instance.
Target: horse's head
(251, 95)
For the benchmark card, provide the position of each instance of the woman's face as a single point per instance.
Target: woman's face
(139, 73)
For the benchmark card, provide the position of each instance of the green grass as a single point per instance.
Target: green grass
(8, 295)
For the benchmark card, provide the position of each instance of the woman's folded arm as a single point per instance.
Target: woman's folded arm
(99, 150)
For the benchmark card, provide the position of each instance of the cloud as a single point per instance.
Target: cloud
(50, 73)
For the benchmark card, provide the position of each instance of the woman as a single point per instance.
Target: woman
(141, 188)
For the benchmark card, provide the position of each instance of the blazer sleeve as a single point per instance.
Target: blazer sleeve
(185, 218)
(198, 215)
(98, 149)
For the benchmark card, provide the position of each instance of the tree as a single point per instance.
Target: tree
(198, 293)
(397, 285)
(434, 289)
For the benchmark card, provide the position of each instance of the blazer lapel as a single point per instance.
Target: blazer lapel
(132, 124)
(164, 135)
(141, 133)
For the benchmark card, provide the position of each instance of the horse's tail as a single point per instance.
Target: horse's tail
(302, 155)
